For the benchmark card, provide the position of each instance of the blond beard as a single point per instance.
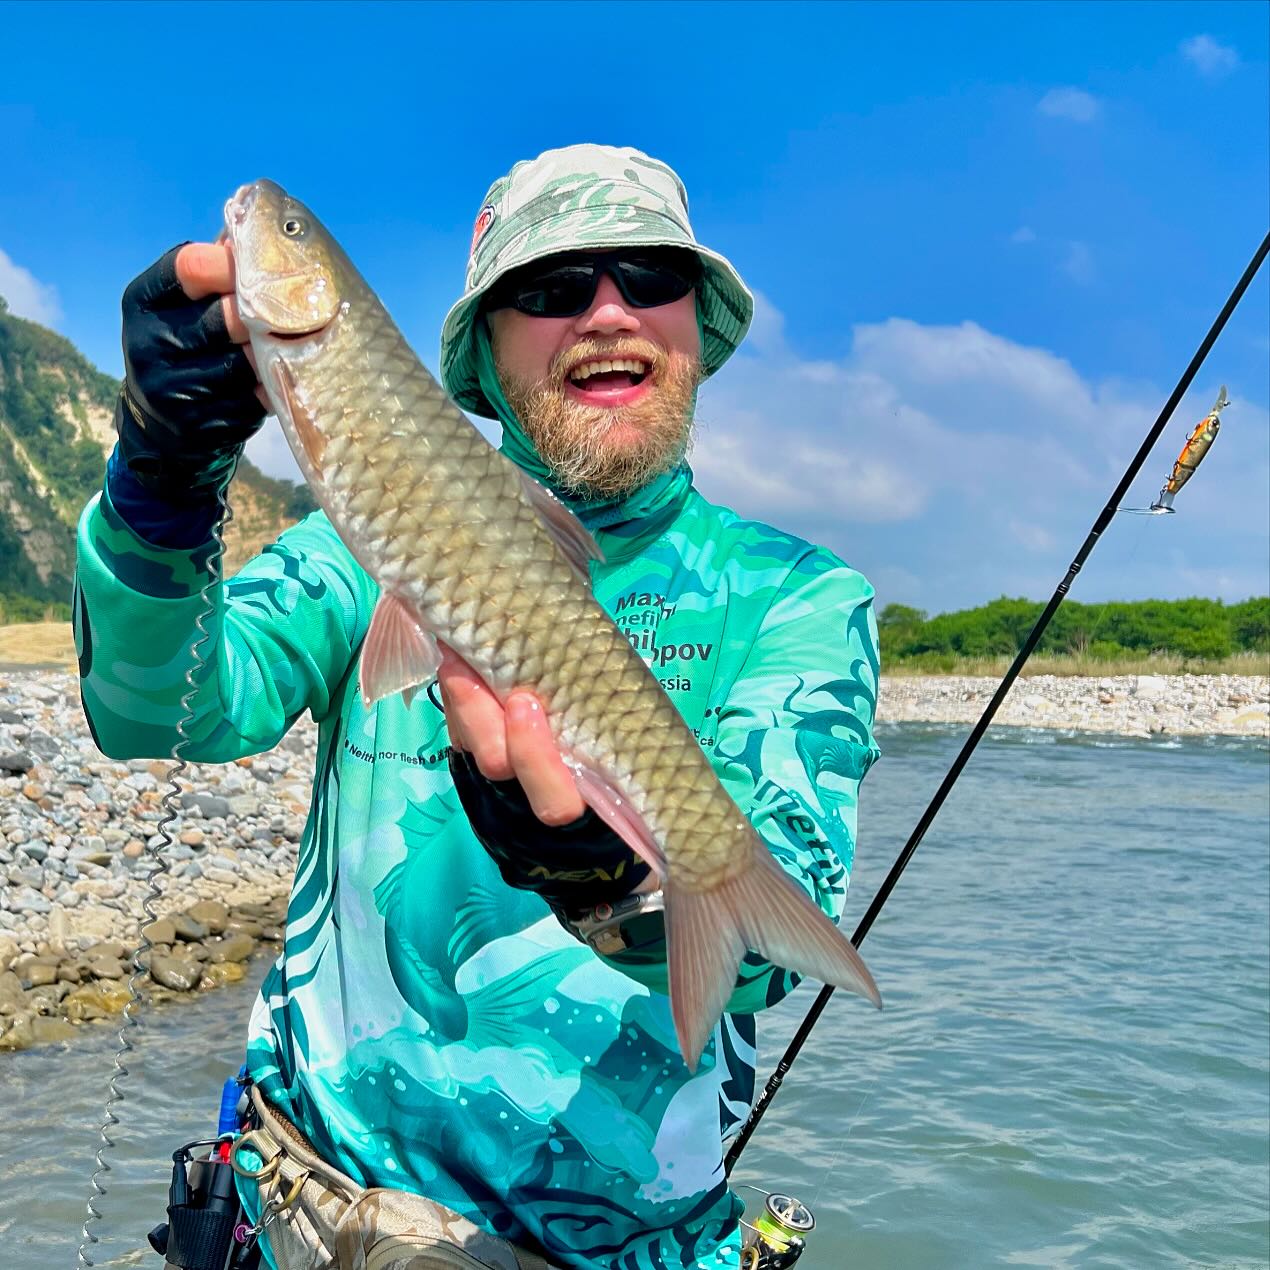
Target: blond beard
(576, 441)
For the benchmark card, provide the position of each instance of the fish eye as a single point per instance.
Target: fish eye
(293, 227)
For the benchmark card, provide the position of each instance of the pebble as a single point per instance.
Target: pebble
(1132, 705)
(75, 828)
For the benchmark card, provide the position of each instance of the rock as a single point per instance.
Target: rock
(15, 762)
(209, 805)
(20, 1033)
(35, 971)
(231, 948)
(235, 926)
(9, 950)
(187, 928)
(95, 1001)
(47, 1031)
(1149, 687)
(11, 991)
(107, 968)
(209, 913)
(182, 974)
(222, 972)
(193, 837)
(28, 900)
(161, 932)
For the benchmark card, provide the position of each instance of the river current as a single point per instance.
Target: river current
(1072, 1068)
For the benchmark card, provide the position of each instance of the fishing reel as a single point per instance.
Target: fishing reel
(778, 1235)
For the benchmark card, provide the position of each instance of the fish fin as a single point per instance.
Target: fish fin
(398, 654)
(763, 908)
(616, 811)
(571, 535)
(306, 430)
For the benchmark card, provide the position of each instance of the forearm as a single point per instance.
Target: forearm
(277, 637)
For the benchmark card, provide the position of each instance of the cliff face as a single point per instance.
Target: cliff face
(56, 430)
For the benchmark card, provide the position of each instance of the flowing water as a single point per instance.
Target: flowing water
(1072, 1069)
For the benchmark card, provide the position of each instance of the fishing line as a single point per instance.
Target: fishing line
(972, 741)
(158, 867)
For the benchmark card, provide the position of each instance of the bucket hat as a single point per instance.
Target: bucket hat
(583, 198)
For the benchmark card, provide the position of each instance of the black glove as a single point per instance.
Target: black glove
(573, 867)
(188, 404)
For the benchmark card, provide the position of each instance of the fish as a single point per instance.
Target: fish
(471, 553)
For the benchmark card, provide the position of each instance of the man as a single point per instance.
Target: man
(455, 1012)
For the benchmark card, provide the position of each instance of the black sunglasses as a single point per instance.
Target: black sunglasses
(564, 286)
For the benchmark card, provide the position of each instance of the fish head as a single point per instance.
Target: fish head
(287, 265)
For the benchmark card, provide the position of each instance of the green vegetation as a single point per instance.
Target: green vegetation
(1122, 637)
(51, 464)
(24, 608)
(296, 501)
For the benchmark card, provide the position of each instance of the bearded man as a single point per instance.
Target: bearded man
(471, 1004)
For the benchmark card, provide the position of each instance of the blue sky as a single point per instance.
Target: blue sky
(986, 238)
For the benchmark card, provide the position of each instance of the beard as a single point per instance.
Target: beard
(606, 451)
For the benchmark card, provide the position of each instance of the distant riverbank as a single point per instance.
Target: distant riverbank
(74, 827)
(1132, 705)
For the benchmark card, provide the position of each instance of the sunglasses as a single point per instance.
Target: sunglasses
(564, 286)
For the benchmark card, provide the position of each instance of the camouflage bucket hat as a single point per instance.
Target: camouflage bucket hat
(575, 199)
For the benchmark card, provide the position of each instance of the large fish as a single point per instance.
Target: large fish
(469, 550)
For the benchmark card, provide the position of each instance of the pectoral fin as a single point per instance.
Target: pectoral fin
(399, 654)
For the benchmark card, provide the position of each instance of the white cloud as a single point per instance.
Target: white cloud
(27, 296)
(1069, 103)
(1033, 537)
(1211, 59)
(1024, 234)
(1078, 264)
(952, 464)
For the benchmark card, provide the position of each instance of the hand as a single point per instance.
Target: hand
(512, 742)
(192, 398)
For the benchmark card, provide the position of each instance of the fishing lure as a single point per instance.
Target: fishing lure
(1192, 455)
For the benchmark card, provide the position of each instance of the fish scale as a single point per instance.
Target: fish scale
(465, 550)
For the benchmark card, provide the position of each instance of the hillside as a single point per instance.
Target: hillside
(56, 429)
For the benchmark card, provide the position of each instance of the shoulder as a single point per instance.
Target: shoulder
(766, 556)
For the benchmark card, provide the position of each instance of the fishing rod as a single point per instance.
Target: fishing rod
(1029, 644)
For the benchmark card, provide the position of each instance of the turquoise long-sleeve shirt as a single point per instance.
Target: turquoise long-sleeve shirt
(429, 1027)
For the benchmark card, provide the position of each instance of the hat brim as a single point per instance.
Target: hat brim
(726, 305)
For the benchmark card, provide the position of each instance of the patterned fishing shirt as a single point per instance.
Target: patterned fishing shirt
(427, 1026)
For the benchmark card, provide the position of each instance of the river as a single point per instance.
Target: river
(1072, 1068)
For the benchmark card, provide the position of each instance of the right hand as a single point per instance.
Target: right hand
(192, 398)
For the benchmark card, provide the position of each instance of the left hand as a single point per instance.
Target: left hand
(511, 742)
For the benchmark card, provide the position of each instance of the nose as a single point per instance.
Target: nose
(608, 313)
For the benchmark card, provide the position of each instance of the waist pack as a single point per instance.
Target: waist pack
(316, 1218)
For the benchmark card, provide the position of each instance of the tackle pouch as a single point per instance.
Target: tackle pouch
(313, 1217)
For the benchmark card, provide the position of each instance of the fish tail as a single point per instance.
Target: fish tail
(762, 908)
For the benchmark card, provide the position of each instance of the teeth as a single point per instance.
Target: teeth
(587, 369)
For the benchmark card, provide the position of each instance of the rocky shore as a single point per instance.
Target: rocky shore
(1131, 705)
(74, 828)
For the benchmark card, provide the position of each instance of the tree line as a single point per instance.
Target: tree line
(1204, 630)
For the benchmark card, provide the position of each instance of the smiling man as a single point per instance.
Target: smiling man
(471, 1002)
